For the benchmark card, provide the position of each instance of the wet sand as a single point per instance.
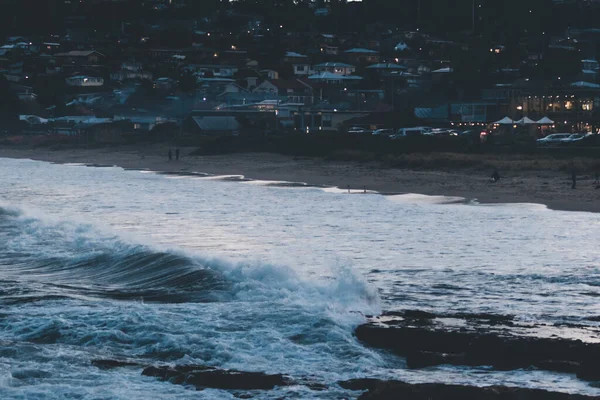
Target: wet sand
(550, 188)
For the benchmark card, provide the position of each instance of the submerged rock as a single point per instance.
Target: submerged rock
(378, 390)
(110, 364)
(207, 377)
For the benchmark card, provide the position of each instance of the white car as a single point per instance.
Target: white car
(418, 130)
(358, 129)
(383, 132)
(554, 139)
(576, 137)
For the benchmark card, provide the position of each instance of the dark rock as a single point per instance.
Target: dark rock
(360, 384)
(317, 387)
(417, 314)
(436, 344)
(208, 377)
(424, 359)
(568, 367)
(589, 371)
(109, 364)
(377, 390)
(221, 379)
(489, 318)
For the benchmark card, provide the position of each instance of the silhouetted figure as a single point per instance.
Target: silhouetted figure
(177, 153)
(170, 155)
(573, 179)
(365, 188)
(495, 176)
(348, 188)
(597, 180)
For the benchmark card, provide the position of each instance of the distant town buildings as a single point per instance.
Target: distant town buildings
(165, 60)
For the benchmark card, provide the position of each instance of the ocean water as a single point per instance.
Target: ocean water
(166, 269)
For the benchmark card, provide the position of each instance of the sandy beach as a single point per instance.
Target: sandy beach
(531, 186)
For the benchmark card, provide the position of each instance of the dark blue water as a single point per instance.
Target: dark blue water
(106, 263)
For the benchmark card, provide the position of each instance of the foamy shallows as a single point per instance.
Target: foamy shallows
(109, 263)
(524, 206)
(338, 190)
(428, 199)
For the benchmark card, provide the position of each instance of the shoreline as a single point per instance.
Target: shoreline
(549, 188)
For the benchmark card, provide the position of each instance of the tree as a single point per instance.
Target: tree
(9, 104)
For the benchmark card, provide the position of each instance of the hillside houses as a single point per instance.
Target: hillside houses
(171, 66)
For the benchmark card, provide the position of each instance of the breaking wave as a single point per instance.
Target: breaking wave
(59, 259)
(70, 260)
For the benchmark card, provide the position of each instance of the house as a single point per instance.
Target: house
(299, 62)
(165, 84)
(211, 123)
(302, 69)
(50, 47)
(210, 88)
(230, 122)
(217, 125)
(360, 56)
(337, 68)
(84, 81)
(329, 50)
(401, 46)
(590, 65)
(442, 74)
(131, 71)
(331, 78)
(126, 75)
(387, 68)
(102, 132)
(295, 90)
(144, 123)
(81, 57)
(292, 57)
(247, 78)
(26, 94)
(213, 70)
(466, 112)
(319, 120)
(269, 74)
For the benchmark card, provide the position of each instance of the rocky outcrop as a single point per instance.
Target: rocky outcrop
(477, 340)
(207, 377)
(201, 376)
(380, 390)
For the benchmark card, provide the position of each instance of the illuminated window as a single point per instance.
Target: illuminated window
(568, 105)
(587, 106)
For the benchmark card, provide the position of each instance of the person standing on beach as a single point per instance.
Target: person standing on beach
(573, 179)
(495, 176)
(177, 154)
(170, 155)
(597, 180)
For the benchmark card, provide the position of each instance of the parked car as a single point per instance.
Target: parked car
(359, 130)
(589, 140)
(443, 132)
(417, 130)
(383, 132)
(577, 137)
(553, 139)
